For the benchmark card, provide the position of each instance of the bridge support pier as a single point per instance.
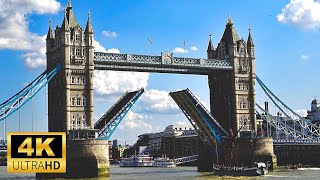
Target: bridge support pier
(256, 150)
(85, 159)
(264, 151)
(205, 158)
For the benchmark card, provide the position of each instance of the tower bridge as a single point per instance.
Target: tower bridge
(230, 68)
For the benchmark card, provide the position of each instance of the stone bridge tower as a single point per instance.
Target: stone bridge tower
(70, 93)
(232, 93)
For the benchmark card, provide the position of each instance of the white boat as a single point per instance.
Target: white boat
(137, 161)
(257, 169)
(164, 162)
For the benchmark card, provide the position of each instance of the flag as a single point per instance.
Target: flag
(149, 40)
(184, 46)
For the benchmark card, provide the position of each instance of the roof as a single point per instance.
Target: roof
(315, 101)
(230, 35)
(210, 45)
(70, 16)
(250, 42)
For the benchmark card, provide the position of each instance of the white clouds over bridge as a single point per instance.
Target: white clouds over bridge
(304, 14)
(14, 31)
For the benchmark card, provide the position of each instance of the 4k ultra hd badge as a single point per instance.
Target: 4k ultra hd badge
(39, 152)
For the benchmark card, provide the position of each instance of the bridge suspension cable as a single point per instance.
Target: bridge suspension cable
(295, 125)
(22, 97)
(289, 132)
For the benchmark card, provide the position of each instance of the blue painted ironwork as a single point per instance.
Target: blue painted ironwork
(308, 129)
(22, 97)
(166, 63)
(214, 126)
(199, 115)
(176, 97)
(106, 132)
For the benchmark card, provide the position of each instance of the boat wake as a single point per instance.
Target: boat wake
(304, 169)
(279, 176)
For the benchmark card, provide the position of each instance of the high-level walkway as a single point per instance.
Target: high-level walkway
(166, 63)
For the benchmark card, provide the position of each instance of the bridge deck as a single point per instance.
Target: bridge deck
(111, 119)
(208, 128)
(165, 63)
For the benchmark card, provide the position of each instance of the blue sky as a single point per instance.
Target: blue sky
(285, 34)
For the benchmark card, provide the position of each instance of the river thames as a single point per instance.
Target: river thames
(184, 173)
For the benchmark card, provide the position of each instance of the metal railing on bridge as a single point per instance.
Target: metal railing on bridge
(295, 142)
(166, 63)
(112, 118)
(186, 159)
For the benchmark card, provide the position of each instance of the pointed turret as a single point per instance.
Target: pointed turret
(65, 24)
(50, 34)
(69, 4)
(70, 16)
(229, 39)
(230, 35)
(89, 26)
(250, 42)
(210, 45)
(210, 51)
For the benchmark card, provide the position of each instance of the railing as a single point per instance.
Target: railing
(166, 60)
(293, 141)
(186, 159)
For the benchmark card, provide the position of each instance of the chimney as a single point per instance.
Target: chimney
(266, 106)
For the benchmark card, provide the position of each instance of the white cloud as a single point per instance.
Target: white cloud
(99, 48)
(136, 121)
(14, 32)
(194, 48)
(113, 50)
(304, 14)
(182, 123)
(110, 34)
(155, 101)
(133, 125)
(304, 57)
(37, 57)
(302, 112)
(113, 82)
(180, 50)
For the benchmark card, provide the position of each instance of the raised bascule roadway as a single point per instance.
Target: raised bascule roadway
(230, 67)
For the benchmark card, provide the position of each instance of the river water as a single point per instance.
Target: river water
(183, 173)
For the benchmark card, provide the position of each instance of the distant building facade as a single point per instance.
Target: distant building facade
(174, 141)
(314, 113)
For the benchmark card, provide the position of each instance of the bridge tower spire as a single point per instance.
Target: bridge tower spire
(70, 96)
(232, 93)
(50, 37)
(210, 50)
